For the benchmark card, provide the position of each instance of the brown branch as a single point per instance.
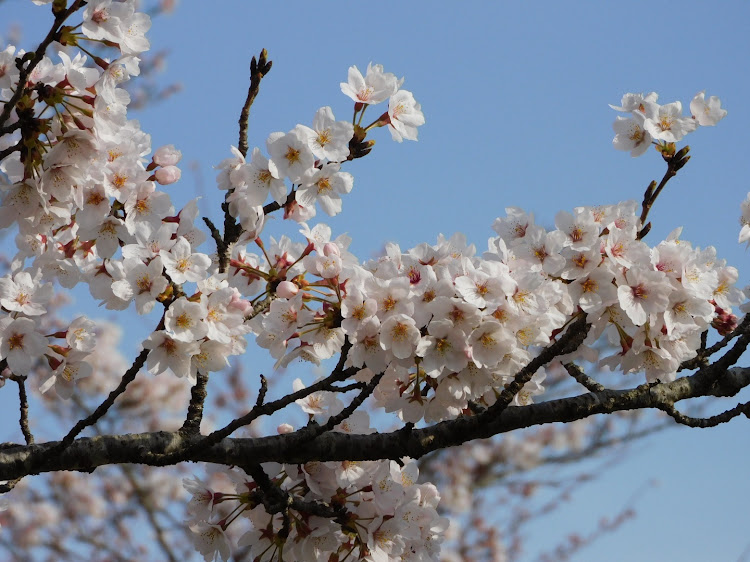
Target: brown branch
(24, 407)
(582, 378)
(258, 69)
(703, 355)
(262, 391)
(154, 448)
(568, 343)
(712, 421)
(338, 374)
(674, 163)
(102, 409)
(194, 417)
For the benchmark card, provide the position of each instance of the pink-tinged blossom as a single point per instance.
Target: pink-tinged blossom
(211, 541)
(104, 19)
(20, 344)
(227, 179)
(290, 155)
(169, 353)
(404, 116)
(182, 264)
(444, 347)
(329, 139)
(78, 74)
(184, 320)
(630, 134)
(581, 230)
(255, 180)
(167, 175)
(489, 342)
(624, 249)
(201, 504)
(486, 287)
(81, 334)
(212, 356)
(325, 341)
(376, 86)
(9, 73)
(399, 335)
(167, 155)
(142, 282)
(71, 368)
(643, 293)
(287, 290)
(665, 122)
(252, 217)
(726, 294)
(23, 293)
(317, 403)
(707, 113)
(133, 40)
(356, 308)
(325, 186)
(635, 102)
(145, 208)
(222, 321)
(595, 291)
(366, 348)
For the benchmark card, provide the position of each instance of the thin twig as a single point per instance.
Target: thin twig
(338, 374)
(712, 421)
(258, 69)
(583, 379)
(674, 163)
(262, 391)
(568, 342)
(24, 407)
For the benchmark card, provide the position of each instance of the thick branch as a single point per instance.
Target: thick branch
(86, 454)
(195, 408)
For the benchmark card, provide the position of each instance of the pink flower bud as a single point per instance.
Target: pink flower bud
(167, 175)
(239, 303)
(284, 428)
(167, 155)
(286, 289)
(331, 249)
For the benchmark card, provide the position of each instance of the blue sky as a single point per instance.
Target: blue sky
(515, 96)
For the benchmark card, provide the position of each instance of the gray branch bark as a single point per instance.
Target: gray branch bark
(86, 454)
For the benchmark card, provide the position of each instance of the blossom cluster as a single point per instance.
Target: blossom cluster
(381, 512)
(311, 157)
(448, 327)
(651, 122)
(444, 328)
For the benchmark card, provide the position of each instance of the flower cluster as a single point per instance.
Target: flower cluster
(311, 157)
(441, 329)
(448, 327)
(649, 121)
(381, 513)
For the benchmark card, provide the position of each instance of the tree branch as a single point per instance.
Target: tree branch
(192, 423)
(86, 454)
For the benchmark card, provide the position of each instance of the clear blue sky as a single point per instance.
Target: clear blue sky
(515, 96)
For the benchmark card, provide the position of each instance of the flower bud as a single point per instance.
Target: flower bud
(284, 428)
(286, 289)
(331, 249)
(167, 155)
(167, 175)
